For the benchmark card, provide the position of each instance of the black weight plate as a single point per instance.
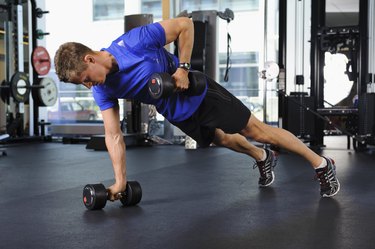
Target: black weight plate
(168, 86)
(20, 87)
(154, 86)
(94, 196)
(160, 85)
(133, 194)
(4, 92)
(197, 83)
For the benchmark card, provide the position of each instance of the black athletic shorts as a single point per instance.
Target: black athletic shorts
(219, 109)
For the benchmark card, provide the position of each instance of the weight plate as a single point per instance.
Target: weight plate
(133, 194)
(4, 92)
(47, 96)
(160, 85)
(154, 86)
(41, 60)
(20, 87)
(94, 196)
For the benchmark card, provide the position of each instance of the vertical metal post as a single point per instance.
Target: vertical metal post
(20, 38)
(33, 41)
(7, 64)
(22, 107)
(31, 70)
(10, 54)
(317, 63)
(371, 43)
(299, 37)
(371, 26)
(363, 43)
(364, 119)
(282, 33)
(265, 59)
(282, 56)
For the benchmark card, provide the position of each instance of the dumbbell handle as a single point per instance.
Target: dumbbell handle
(119, 195)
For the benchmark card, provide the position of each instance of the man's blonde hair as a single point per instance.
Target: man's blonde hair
(69, 60)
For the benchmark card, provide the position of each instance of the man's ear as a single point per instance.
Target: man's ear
(89, 58)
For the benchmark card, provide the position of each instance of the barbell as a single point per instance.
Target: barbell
(19, 89)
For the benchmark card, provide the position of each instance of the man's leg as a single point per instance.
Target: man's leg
(281, 138)
(261, 132)
(324, 167)
(265, 159)
(238, 143)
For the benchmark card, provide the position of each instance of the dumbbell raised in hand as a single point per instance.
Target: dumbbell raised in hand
(95, 196)
(162, 85)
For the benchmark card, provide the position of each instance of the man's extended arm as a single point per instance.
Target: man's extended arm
(116, 148)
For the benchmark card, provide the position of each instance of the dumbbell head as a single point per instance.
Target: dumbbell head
(94, 196)
(197, 83)
(133, 194)
(160, 85)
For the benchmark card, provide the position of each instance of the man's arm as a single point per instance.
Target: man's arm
(181, 29)
(116, 148)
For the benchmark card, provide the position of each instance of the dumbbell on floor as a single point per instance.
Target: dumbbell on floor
(95, 196)
(162, 85)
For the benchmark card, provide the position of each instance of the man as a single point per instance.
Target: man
(122, 71)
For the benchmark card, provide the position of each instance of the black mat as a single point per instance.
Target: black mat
(205, 198)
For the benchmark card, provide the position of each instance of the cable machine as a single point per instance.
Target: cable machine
(312, 117)
(352, 41)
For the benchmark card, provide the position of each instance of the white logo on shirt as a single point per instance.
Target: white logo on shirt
(121, 43)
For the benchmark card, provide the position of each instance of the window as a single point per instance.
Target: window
(235, 5)
(152, 7)
(108, 9)
(243, 73)
(240, 5)
(199, 5)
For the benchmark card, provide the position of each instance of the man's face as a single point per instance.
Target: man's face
(95, 74)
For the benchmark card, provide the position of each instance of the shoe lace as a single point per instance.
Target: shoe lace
(262, 169)
(262, 165)
(322, 176)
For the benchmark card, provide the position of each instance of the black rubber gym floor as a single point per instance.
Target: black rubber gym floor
(205, 198)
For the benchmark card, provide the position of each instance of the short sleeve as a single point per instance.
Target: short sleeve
(156, 34)
(152, 36)
(102, 100)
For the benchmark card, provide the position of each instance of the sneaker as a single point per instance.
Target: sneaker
(329, 184)
(266, 169)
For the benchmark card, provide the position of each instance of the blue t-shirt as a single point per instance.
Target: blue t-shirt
(140, 53)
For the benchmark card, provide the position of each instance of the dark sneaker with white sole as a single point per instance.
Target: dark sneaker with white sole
(329, 184)
(265, 167)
